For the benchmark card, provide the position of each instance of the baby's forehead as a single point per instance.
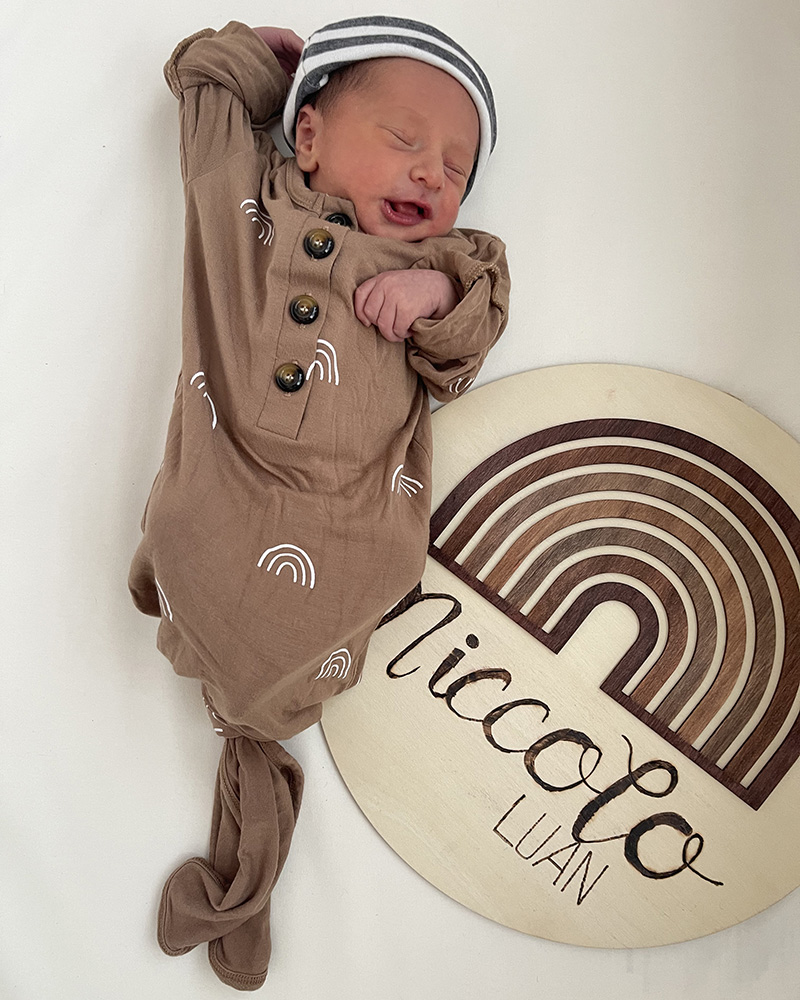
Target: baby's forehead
(417, 90)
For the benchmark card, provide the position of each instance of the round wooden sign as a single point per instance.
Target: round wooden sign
(585, 722)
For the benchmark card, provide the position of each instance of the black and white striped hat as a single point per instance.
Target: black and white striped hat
(344, 42)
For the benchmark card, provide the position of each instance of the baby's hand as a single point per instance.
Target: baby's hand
(393, 300)
(285, 44)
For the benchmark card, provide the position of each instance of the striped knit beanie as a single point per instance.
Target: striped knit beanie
(344, 42)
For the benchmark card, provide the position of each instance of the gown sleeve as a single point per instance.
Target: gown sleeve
(229, 84)
(448, 353)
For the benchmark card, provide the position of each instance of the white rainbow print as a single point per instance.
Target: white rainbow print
(163, 603)
(261, 216)
(294, 558)
(460, 384)
(327, 353)
(337, 665)
(213, 716)
(405, 484)
(201, 385)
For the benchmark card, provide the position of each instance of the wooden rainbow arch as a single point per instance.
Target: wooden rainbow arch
(700, 547)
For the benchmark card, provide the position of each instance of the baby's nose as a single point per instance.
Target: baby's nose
(429, 170)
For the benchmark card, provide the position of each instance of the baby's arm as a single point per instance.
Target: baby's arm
(450, 308)
(393, 300)
(229, 83)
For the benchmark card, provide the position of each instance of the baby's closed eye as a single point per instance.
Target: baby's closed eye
(402, 137)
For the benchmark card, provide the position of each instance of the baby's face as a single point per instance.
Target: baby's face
(400, 146)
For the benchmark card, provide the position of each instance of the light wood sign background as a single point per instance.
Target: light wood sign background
(585, 723)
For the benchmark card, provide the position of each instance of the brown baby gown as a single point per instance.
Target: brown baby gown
(291, 509)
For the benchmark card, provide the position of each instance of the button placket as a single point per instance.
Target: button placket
(303, 320)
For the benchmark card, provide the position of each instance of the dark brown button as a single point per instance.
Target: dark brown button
(289, 377)
(318, 243)
(304, 309)
(340, 219)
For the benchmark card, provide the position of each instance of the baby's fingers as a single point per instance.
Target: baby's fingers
(404, 317)
(367, 306)
(377, 304)
(386, 320)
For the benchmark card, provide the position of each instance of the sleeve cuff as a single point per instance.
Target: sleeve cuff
(235, 58)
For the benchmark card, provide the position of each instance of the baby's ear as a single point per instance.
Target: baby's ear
(307, 137)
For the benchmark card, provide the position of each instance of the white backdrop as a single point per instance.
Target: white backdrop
(652, 149)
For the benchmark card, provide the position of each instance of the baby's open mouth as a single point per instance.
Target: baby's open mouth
(405, 212)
